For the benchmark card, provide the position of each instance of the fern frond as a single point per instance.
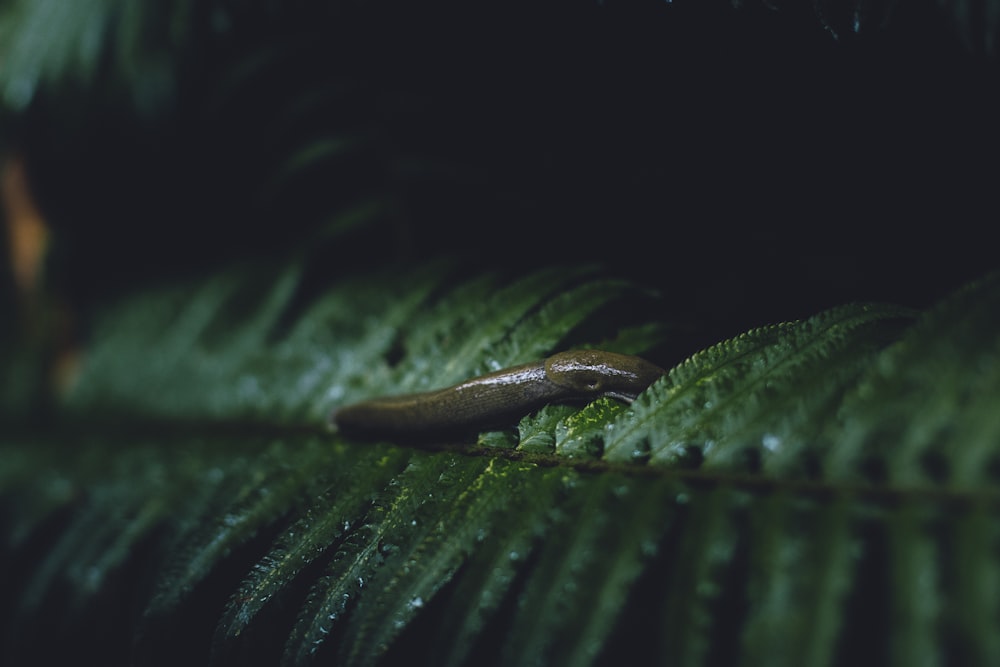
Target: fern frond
(544, 546)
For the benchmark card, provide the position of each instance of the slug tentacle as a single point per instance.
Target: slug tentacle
(501, 397)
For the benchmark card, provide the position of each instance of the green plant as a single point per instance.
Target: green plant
(816, 491)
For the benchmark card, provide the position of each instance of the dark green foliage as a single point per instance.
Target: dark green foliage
(749, 525)
(817, 491)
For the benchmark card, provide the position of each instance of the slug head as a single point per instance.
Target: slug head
(596, 373)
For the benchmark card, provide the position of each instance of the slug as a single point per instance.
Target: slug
(501, 397)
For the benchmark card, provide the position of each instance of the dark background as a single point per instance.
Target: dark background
(751, 164)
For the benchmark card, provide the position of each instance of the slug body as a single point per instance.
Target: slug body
(501, 397)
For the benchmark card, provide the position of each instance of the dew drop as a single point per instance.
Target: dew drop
(648, 548)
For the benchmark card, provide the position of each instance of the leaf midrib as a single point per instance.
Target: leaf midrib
(154, 431)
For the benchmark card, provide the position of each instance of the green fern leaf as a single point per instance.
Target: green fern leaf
(551, 544)
(815, 492)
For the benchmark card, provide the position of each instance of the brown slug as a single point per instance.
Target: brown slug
(501, 397)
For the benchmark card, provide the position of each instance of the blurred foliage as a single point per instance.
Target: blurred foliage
(752, 141)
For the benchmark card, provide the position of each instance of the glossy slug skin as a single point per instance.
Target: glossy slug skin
(500, 397)
(593, 373)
